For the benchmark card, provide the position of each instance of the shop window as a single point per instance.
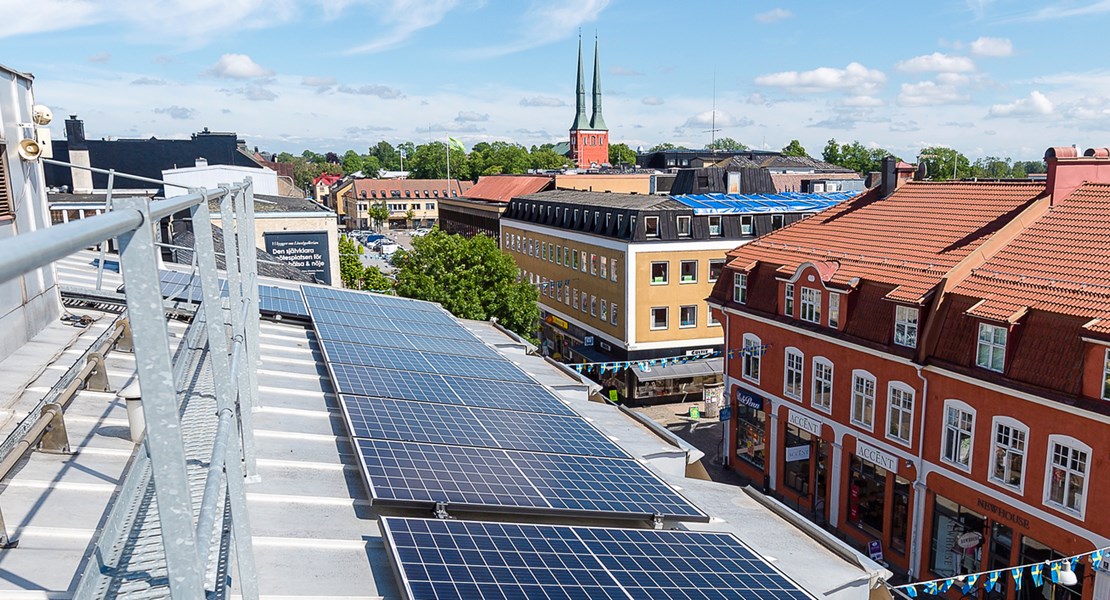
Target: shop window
(899, 412)
(659, 317)
(750, 431)
(716, 267)
(688, 271)
(792, 380)
(834, 310)
(950, 521)
(746, 225)
(811, 305)
(659, 272)
(1066, 483)
(1032, 552)
(863, 399)
(796, 460)
(959, 425)
(991, 349)
(715, 226)
(867, 496)
(651, 227)
(612, 269)
(683, 226)
(604, 268)
(740, 288)
(905, 326)
(752, 357)
(687, 316)
(822, 383)
(1008, 456)
(900, 515)
(788, 306)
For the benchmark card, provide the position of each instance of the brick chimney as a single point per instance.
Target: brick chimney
(1067, 170)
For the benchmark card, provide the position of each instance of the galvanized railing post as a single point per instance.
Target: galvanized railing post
(103, 245)
(139, 266)
(249, 265)
(226, 391)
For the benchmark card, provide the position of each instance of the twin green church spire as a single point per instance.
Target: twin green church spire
(581, 121)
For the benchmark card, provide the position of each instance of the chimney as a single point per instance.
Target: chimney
(78, 149)
(202, 162)
(889, 181)
(872, 179)
(1067, 170)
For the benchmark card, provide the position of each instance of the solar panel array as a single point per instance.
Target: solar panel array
(441, 559)
(783, 202)
(185, 287)
(440, 417)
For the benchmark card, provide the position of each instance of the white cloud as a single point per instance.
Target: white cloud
(101, 57)
(544, 23)
(936, 62)
(862, 101)
(466, 116)
(148, 81)
(723, 119)
(652, 101)
(542, 101)
(238, 66)
(368, 130)
(775, 14)
(400, 19)
(19, 18)
(177, 112)
(372, 89)
(620, 71)
(989, 46)
(930, 93)
(1065, 10)
(254, 93)
(905, 126)
(318, 81)
(825, 79)
(1036, 105)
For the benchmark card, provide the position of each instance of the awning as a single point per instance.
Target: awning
(694, 368)
(592, 354)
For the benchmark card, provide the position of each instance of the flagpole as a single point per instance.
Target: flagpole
(448, 166)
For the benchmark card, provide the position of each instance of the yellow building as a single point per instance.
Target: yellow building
(624, 277)
(411, 202)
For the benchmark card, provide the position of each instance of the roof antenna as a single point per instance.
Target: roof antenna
(712, 131)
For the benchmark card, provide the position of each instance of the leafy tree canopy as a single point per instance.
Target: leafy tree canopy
(794, 148)
(621, 154)
(429, 161)
(944, 163)
(855, 156)
(725, 143)
(355, 276)
(471, 277)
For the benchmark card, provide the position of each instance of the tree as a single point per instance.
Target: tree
(794, 148)
(429, 161)
(388, 158)
(374, 280)
(725, 143)
(410, 214)
(992, 167)
(470, 277)
(352, 162)
(496, 158)
(621, 154)
(663, 146)
(350, 265)
(855, 156)
(831, 153)
(378, 213)
(546, 159)
(944, 163)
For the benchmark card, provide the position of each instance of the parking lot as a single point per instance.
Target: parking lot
(373, 246)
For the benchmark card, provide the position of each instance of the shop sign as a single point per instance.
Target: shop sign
(605, 346)
(700, 352)
(1002, 513)
(746, 398)
(873, 454)
(556, 321)
(875, 550)
(969, 540)
(796, 453)
(725, 414)
(804, 423)
(588, 341)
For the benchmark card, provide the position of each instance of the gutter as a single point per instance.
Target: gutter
(693, 455)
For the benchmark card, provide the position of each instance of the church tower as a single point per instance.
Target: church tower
(589, 137)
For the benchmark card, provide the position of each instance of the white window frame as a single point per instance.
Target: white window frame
(1073, 445)
(574, 296)
(693, 324)
(905, 325)
(679, 220)
(747, 225)
(604, 272)
(715, 230)
(788, 304)
(751, 365)
(585, 302)
(895, 410)
(574, 256)
(820, 363)
(612, 269)
(834, 310)
(710, 320)
(810, 305)
(666, 317)
(603, 309)
(593, 264)
(740, 288)
(992, 347)
(682, 263)
(957, 430)
(793, 373)
(666, 273)
(1106, 376)
(999, 450)
(860, 408)
(715, 261)
(593, 305)
(654, 220)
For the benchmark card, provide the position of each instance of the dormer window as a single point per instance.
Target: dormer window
(811, 305)
(777, 222)
(651, 227)
(905, 326)
(788, 305)
(746, 225)
(834, 310)
(715, 226)
(1106, 376)
(684, 226)
(991, 348)
(740, 288)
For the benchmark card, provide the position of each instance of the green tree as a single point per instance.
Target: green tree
(410, 214)
(992, 167)
(663, 146)
(621, 154)
(378, 213)
(794, 148)
(547, 159)
(374, 280)
(831, 153)
(429, 161)
(388, 158)
(855, 156)
(470, 277)
(725, 143)
(350, 265)
(351, 161)
(944, 163)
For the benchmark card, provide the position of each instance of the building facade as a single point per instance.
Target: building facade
(911, 369)
(411, 202)
(479, 210)
(623, 277)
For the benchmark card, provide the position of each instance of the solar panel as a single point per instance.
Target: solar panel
(421, 474)
(446, 346)
(409, 420)
(375, 356)
(358, 297)
(502, 394)
(762, 203)
(385, 383)
(185, 287)
(439, 559)
(466, 366)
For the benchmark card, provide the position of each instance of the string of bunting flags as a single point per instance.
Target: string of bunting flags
(646, 364)
(992, 580)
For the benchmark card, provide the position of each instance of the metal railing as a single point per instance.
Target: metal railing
(233, 358)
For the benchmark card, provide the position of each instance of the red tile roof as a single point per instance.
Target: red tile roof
(328, 179)
(910, 239)
(417, 188)
(1059, 264)
(502, 188)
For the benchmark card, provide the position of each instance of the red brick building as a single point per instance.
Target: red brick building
(929, 369)
(589, 136)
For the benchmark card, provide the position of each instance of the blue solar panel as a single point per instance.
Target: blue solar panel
(421, 474)
(271, 299)
(375, 356)
(446, 346)
(409, 420)
(439, 559)
(357, 297)
(385, 383)
(323, 305)
(483, 368)
(762, 203)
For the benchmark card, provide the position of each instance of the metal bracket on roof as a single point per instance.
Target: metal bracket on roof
(123, 342)
(657, 521)
(441, 511)
(97, 380)
(55, 439)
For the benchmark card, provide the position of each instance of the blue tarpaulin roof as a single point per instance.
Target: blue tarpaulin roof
(785, 202)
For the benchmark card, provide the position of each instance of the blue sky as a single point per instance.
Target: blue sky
(992, 77)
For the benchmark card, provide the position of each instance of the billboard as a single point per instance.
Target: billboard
(305, 250)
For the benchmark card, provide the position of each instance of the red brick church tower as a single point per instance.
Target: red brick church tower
(589, 137)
